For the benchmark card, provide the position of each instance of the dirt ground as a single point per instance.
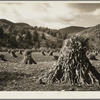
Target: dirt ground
(15, 76)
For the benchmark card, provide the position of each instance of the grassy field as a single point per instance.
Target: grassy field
(15, 76)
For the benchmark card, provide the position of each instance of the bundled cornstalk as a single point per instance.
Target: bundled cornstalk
(92, 56)
(73, 66)
(43, 52)
(13, 53)
(87, 53)
(2, 57)
(51, 53)
(20, 52)
(9, 51)
(28, 58)
(55, 57)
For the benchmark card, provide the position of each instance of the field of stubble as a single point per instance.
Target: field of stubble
(15, 76)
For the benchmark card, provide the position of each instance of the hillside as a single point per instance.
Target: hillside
(69, 31)
(93, 33)
(5, 22)
(22, 35)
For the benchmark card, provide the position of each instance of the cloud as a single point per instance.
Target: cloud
(85, 7)
(23, 12)
(52, 15)
(96, 13)
(59, 13)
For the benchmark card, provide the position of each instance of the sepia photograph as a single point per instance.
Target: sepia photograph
(49, 46)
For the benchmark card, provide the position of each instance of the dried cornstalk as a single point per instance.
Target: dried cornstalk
(28, 58)
(2, 57)
(13, 54)
(73, 66)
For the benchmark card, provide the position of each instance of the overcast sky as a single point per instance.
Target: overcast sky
(53, 15)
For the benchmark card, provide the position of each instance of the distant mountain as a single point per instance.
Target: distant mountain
(69, 31)
(72, 29)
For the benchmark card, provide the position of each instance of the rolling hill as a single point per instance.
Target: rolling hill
(22, 35)
(93, 33)
(69, 31)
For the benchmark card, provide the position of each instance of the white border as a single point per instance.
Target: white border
(51, 94)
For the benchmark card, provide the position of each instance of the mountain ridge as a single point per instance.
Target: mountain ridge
(23, 35)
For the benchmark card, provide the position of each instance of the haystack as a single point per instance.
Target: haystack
(43, 52)
(92, 56)
(73, 66)
(9, 51)
(2, 57)
(51, 53)
(28, 58)
(13, 53)
(20, 52)
(56, 57)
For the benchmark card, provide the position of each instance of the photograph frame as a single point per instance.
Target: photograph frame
(50, 94)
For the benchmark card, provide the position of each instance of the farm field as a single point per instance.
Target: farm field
(15, 76)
